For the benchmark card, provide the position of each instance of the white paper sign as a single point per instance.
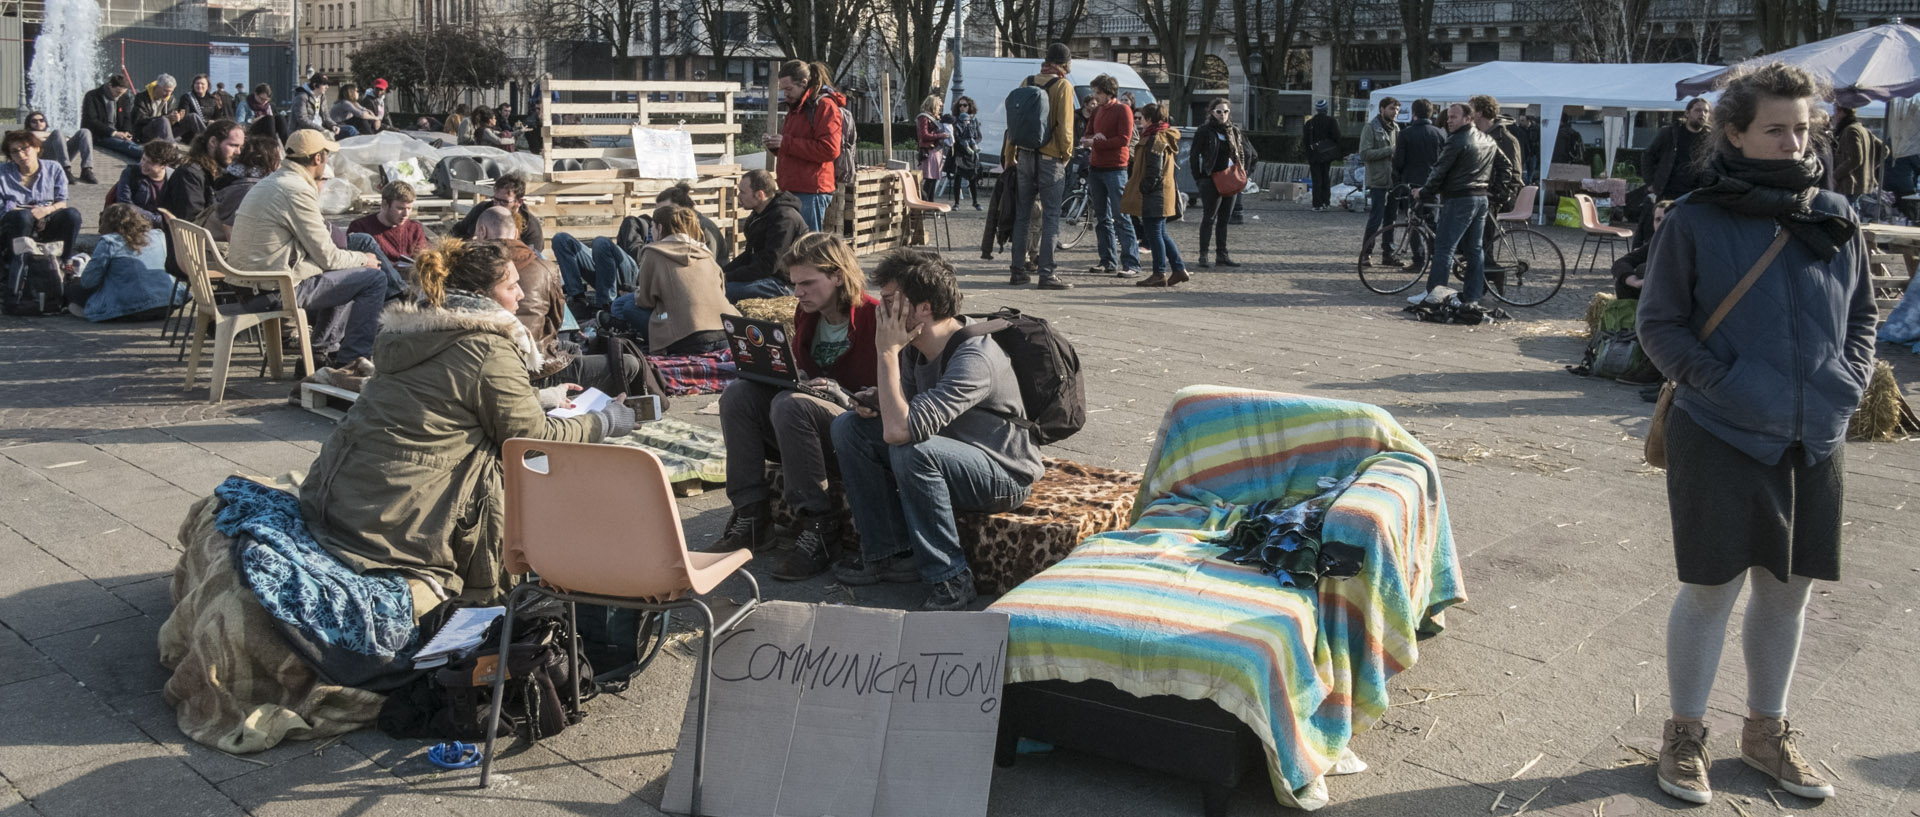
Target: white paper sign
(848, 711)
(663, 154)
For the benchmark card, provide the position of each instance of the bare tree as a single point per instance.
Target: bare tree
(1264, 32)
(1611, 30)
(826, 31)
(1787, 23)
(1181, 28)
(725, 28)
(1416, 23)
(918, 37)
(1028, 26)
(1335, 24)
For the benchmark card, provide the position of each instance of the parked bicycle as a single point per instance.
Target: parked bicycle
(1526, 267)
(1076, 218)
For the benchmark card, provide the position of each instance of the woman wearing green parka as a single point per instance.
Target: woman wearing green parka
(411, 479)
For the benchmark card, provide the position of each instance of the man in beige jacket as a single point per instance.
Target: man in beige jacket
(279, 227)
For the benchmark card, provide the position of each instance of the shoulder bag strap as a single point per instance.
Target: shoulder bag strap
(1740, 289)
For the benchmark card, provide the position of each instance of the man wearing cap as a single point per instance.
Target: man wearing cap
(279, 227)
(1322, 138)
(1042, 174)
(375, 100)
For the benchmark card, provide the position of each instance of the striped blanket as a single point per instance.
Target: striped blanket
(1154, 611)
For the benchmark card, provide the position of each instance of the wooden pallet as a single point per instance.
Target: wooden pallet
(879, 217)
(330, 402)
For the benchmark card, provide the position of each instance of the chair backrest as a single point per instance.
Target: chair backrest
(1523, 203)
(594, 519)
(191, 246)
(1589, 215)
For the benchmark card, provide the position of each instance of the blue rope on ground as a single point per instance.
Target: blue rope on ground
(454, 755)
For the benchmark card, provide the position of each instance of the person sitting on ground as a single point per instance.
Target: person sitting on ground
(258, 160)
(260, 109)
(63, 149)
(347, 110)
(190, 190)
(542, 311)
(483, 132)
(196, 106)
(775, 224)
(509, 191)
(227, 108)
(280, 227)
(1630, 270)
(943, 438)
(717, 240)
(833, 351)
(310, 109)
(33, 199)
(104, 112)
(142, 183)
(677, 297)
(394, 227)
(153, 115)
(126, 276)
(411, 480)
(375, 101)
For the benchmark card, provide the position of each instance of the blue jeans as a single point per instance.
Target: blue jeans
(633, 315)
(123, 147)
(610, 268)
(1460, 227)
(1104, 188)
(904, 496)
(1379, 214)
(1037, 178)
(355, 298)
(813, 208)
(396, 283)
(768, 287)
(1156, 239)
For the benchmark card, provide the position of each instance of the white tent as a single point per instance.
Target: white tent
(1613, 88)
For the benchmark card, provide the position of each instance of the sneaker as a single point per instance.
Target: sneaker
(751, 528)
(1100, 271)
(1684, 761)
(1417, 298)
(1127, 273)
(1365, 262)
(808, 557)
(857, 571)
(1054, 282)
(1019, 279)
(1767, 744)
(953, 594)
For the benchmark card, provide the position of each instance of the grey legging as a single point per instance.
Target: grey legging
(1770, 639)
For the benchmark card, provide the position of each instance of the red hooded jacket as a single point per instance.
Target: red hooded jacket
(809, 142)
(859, 366)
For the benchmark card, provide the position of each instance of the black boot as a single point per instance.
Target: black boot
(751, 528)
(818, 537)
(1225, 260)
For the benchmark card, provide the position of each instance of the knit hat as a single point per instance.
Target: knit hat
(1058, 54)
(1320, 105)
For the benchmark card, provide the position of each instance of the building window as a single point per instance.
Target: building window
(353, 15)
(1483, 52)
(1532, 51)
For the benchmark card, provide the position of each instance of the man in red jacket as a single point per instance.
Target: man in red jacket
(833, 324)
(1108, 132)
(809, 140)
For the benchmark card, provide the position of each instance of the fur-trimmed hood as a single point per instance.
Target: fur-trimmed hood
(412, 333)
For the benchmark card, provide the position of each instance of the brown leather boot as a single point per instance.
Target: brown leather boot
(1767, 744)
(1684, 761)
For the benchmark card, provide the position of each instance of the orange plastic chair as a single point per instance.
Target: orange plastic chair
(1522, 209)
(1598, 234)
(926, 209)
(598, 524)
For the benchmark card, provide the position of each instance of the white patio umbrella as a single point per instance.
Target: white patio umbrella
(1878, 63)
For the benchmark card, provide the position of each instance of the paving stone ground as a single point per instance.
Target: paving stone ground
(1538, 686)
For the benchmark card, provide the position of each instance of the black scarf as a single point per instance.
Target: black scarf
(1780, 189)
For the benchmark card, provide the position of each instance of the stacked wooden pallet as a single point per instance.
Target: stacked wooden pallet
(1891, 256)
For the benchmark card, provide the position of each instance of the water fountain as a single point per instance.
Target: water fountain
(66, 60)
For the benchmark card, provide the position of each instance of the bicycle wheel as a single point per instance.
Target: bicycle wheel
(1410, 244)
(1531, 267)
(1074, 220)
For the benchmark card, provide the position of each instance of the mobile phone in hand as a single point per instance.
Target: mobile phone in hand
(646, 408)
(867, 398)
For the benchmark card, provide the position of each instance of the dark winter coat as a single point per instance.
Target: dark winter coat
(768, 235)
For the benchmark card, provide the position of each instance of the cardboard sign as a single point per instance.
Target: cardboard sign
(848, 711)
(663, 154)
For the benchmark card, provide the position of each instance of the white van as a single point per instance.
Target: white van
(988, 80)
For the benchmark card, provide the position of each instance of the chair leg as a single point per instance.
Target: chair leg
(197, 341)
(270, 339)
(573, 658)
(700, 724)
(302, 336)
(225, 333)
(500, 681)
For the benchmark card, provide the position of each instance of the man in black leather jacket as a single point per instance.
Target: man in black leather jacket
(1460, 178)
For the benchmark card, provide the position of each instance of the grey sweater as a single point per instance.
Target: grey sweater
(970, 402)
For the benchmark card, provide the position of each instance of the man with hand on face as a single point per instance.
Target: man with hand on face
(937, 434)
(833, 325)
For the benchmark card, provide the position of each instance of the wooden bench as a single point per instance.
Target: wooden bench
(1069, 503)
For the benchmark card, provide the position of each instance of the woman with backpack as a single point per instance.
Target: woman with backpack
(1758, 305)
(933, 137)
(126, 276)
(1220, 156)
(1150, 195)
(966, 149)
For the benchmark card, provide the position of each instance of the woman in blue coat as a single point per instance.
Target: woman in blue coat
(1755, 436)
(127, 276)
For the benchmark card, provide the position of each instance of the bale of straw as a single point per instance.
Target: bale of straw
(1884, 414)
(770, 309)
(1596, 308)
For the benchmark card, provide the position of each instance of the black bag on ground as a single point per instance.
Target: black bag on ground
(619, 346)
(33, 286)
(453, 702)
(1045, 363)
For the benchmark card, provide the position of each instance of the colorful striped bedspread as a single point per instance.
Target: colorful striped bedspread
(1151, 611)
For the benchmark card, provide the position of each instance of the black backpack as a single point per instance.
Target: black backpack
(33, 286)
(453, 702)
(1046, 365)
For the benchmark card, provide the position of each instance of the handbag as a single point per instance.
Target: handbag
(1231, 181)
(1656, 450)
